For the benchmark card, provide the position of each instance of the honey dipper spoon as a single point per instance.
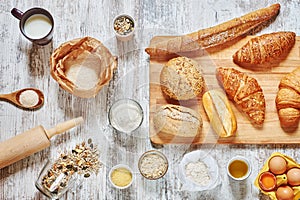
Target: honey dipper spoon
(30, 98)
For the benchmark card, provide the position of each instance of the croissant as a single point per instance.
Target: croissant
(245, 92)
(288, 100)
(213, 36)
(263, 48)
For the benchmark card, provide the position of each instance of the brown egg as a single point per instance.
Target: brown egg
(293, 176)
(267, 181)
(285, 193)
(277, 165)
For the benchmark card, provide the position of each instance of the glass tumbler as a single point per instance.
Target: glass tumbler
(126, 115)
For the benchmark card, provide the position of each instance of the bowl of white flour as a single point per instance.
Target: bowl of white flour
(198, 171)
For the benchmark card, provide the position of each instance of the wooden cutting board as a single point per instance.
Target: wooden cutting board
(268, 78)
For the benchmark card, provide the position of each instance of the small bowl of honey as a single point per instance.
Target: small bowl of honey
(238, 168)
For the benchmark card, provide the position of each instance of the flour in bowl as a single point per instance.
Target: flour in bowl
(198, 173)
(85, 77)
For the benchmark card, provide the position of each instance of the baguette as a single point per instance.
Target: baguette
(245, 92)
(219, 112)
(213, 36)
(262, 49)
(177, 121)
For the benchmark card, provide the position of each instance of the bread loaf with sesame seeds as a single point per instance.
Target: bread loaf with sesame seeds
(181, 79)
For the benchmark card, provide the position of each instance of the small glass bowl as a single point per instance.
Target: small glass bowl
(153, 165)
(126, 21)
(126, 115)
(60, 185)
(120, 167)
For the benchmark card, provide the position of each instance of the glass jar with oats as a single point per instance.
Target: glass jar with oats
(153, 165)
(68, 170)
(54, 181)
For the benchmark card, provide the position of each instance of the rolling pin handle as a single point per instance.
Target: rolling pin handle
(62, 127)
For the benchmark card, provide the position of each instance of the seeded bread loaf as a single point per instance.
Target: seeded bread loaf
(181, 79)
(177, 121)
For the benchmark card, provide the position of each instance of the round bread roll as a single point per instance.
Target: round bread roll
(181, 79)
(177, 121)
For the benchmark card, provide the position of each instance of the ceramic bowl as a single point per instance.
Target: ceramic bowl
(155, 171)
(212, 170)
(120, 167)
(129, 20)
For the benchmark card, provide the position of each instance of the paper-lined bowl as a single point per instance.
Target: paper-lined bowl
(82, 66)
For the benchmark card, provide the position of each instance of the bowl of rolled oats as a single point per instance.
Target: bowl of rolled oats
(153, 164)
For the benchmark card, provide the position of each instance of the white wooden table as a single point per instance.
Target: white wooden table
(25, 65)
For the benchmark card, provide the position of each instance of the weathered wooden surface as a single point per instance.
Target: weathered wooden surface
(24, 65)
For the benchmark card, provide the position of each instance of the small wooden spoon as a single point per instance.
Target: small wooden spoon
(15, 98)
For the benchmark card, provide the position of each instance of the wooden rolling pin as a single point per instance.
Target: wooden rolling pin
(31, 141)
